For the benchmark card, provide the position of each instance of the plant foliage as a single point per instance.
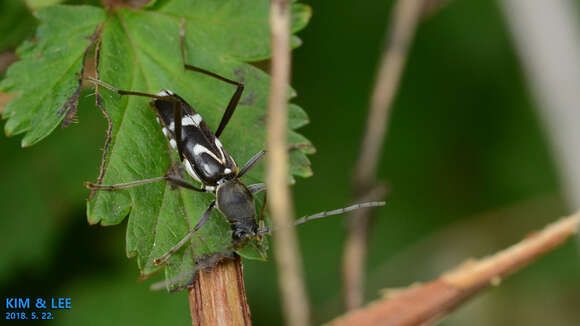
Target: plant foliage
(138, 49)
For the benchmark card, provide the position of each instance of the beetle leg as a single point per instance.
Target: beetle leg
(172, 179)
(239, 86)
(204, 218)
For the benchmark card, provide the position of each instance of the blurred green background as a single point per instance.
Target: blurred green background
(467, 160)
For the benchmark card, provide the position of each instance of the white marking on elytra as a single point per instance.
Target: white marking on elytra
(172, 126)
(198, 149)
(227, 170)
(165, 132)
(209, 188)
(173, 143)
(221, 148)
(189, 120)
(165, 92)
(206, 168)
(190, 170)
(197, 119)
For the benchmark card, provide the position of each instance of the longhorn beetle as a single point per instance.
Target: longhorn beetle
(207, 161)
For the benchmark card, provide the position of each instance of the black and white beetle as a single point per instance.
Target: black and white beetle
(206, 160)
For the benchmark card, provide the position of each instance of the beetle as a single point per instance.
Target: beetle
(206, 160)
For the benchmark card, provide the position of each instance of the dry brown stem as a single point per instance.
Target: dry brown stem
(405, 17)
(292, 288)
(218, 296)
(425, 304)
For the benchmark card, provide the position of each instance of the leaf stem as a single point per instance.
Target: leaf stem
(292, 288)
(405, 17)
(218, 296)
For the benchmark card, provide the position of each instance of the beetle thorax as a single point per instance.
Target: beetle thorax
(235, 201)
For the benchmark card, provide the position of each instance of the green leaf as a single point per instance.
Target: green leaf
(47, 76)
(37, 4)
(140, 51)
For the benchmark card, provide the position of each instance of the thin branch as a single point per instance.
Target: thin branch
(218, 296)
(428, 303)
(405, 17)
(292, 288)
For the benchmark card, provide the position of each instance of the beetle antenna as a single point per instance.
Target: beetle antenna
(329, 213)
